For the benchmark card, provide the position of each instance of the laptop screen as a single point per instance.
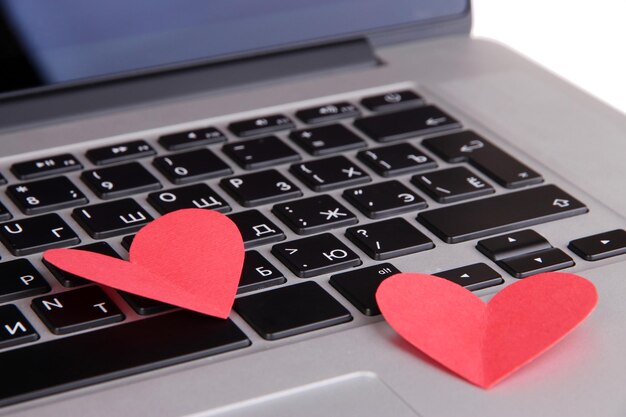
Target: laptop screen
(45, 42)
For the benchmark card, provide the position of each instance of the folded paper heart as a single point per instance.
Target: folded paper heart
(480, 342)
(190, 258)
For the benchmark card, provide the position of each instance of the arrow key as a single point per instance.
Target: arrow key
(600, 246)
(534, 263)
(473, 277)
(513, 244)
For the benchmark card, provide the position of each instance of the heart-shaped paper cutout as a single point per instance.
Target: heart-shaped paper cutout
(190, 258)
(480, 342)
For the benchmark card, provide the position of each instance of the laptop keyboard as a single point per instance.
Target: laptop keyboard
(281, 205)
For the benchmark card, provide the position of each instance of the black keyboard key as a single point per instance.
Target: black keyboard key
(291, 310)
(111, 219)
(36, 234)
(261, 125)
(46, 195)
(330, 173)
(121, 180)
(114, 352)
(473, 277)
(359, 286)
(258, 273)
(384, 199)
(389, 239)
(191, 196)
(315, 255)
(314, 214)
(76, 310)
(501, 213)
(489, 159)
(19, 279)
(2, 180)
(513, 244)
(545, 261)
(392, 101)
(53, 165)
(452, 184)
(70, 280)
(127, 241)
(186, 167)
(406, 123)
(120, 152)
(14, 328)
(328, 139)
(256, 229)
(4, 213)
(328, 112)
(145, 306)
(260, 188)
(600, 246)
(399, 159)
(260, 153)
(191, 139)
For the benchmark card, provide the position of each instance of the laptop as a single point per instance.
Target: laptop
(348, 141)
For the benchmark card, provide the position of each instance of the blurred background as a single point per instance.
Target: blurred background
(582, 41)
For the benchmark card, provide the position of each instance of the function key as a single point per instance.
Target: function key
(261, 125)
(402, 158)
(406, 123)
(359, 286)
(258, 273)
(260, 188)
(315, 255)
(120, 152)
(330, 173)
(191, 166)
(491, 160)
(389, 239)
(120, 180)
(76, 310)
(534, 263)
(314, 214)
(36, 234)
(20, 279)
(256, 229)
(38, 168)
(384, 199)
(600, 246)
(111, 219)
(4, 213)
(191, 196)
(14, 328)
(473, 277)
(453, 184)
(466, 221)
(191, 139)
(291, 310)
(261, 152)
(70, 280)
(328, 112)
(46, 195)
(392, 101)
(512, 244)
(325, 140)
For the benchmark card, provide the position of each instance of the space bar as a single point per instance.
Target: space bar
(501, 213)
(72, 362)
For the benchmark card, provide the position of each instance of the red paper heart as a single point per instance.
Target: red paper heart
(190, 258)
(485, 343)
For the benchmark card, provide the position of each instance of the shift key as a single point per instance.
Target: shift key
(479, 218)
